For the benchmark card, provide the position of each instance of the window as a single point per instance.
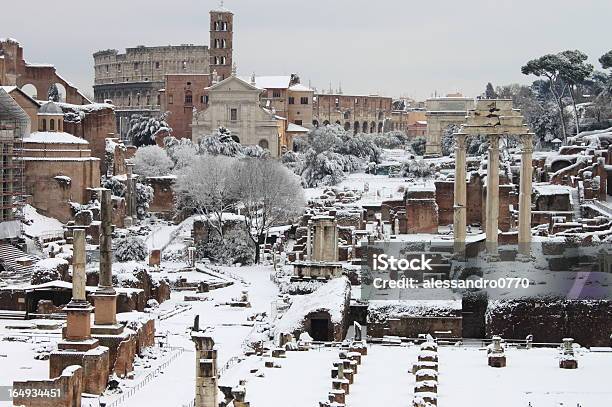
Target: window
(135, 66)
(291, 100)
(276, 93)
(233, 115)
(44, 125)
(304, 100)
(107, 68)
(188, 98)
(118, 68)
(170, 99)
(52, 125)
(156, 65)
(263, 143)
(298, 122)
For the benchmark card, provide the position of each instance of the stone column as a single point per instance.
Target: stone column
(524, 236)
(78, 265)
(309, 241)
(206, 391)
(105, 298)
(78, 311)
(459, 207)
(106, 263)
(128, 196)
(492, 203)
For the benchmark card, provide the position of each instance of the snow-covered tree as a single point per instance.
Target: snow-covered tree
(322, 169)
(418, 145)
(144, 196)
(53, 93)
(448, 141)
(330, 151)
(205, 187)
(182, 152)
(418, 168)
(117, 187)
(131, 248)
(144, 129)
(269, 194)
(235, 247)
(152, 161)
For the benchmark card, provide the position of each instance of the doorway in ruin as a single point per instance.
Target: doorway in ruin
(319, 329)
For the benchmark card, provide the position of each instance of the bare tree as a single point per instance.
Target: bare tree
(268, 195)
(205, 187)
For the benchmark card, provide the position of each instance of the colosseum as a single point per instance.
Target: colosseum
(132, 80)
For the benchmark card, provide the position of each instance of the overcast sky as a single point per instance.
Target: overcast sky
(390, 47)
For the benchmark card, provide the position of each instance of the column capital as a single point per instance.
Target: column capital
(461, 139)
(493, 141)
(526, 142)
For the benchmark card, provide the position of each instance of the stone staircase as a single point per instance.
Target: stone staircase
(13, 271)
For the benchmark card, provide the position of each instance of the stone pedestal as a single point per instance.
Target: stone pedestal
(106, 308)
(497, 361)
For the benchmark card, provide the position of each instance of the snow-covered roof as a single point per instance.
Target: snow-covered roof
(330, 297)
(300, 88)
(296, 128)
(53, 137)
(551, 189)
(50, 108)
(9, 109)
(87, 108)
(270, 82)
(9, 89)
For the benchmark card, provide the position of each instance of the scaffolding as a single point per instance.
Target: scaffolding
(14, 125)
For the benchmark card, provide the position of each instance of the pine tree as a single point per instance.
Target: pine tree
(490, 92)
(53, 93)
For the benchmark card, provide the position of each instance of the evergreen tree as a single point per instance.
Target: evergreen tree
(53, 93)
(490, 92)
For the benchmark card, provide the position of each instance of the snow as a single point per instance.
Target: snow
(551, 189)
(300, 88)
(54, 137)
(295, 128)
(330, 297)
(269, 82)
(36, 225)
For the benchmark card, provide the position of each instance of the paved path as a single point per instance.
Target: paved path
(384, 378)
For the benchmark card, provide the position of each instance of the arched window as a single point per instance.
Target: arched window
(263, 143)
(44, 125)
(364, 128)
(52, 125)
(315, 123)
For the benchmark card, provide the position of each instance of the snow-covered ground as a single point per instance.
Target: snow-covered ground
(227, 325)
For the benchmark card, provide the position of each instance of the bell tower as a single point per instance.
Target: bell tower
(221, 41)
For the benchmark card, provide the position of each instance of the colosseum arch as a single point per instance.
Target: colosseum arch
(347, 126)
(440, 114)
(356, 127)
(364, 128)
(30, 90)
